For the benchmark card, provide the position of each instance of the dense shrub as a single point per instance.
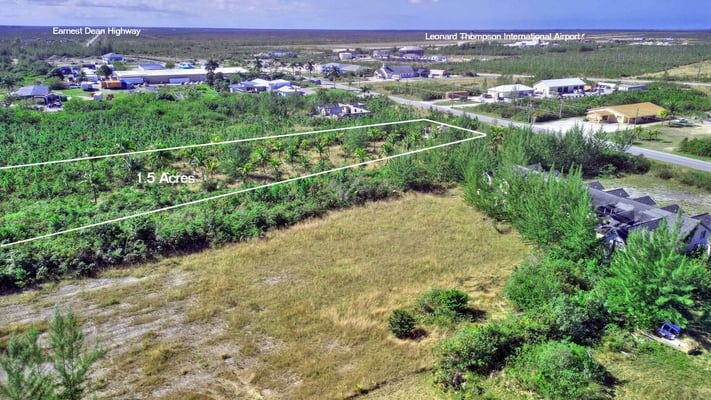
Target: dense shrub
(480, 349)
(558, 370)
(402, 323)
(696, 146)
(445, 305)
(531, 286)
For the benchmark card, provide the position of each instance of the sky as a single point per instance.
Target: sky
(440, 15)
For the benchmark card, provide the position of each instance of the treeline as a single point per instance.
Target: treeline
(572, 295)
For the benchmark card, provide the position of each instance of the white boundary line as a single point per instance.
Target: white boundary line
(298, 178)
(88, 158)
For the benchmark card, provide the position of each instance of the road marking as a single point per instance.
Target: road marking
(295, 179)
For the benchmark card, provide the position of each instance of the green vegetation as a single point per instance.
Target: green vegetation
(431, 89)
(558, 370)
(53, 198)
(652, 281)
(402, 323)
(696, 146)
(444, 306)
(676, 99)
(685, 176)
(24, 362)
(571, 293)
(613, 60)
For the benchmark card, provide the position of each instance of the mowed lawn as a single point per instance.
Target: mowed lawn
(299, 314)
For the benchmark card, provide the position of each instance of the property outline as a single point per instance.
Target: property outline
(250, 189)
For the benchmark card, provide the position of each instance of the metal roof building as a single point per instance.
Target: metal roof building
(32, 91)
(510, 91)
(554, 87)
(165, 75)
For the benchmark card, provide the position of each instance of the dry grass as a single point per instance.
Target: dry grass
(659, 373)
(301, 314)
(311, 304)
(690, 71)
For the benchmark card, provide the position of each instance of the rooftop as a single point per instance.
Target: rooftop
(561, 82)
(33, 91)
(631, 110)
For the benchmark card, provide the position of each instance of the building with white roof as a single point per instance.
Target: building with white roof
(165, 75)
(510, 91)
(557, 87)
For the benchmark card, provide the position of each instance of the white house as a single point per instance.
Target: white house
(557, 87)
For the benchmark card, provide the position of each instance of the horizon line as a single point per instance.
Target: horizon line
(376, 29)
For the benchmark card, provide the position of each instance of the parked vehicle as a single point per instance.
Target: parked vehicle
(669, 331)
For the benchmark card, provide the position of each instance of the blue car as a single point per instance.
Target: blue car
(669, 331)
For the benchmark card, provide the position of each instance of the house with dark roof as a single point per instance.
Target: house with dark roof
(111, 57)
(395, 72)
(619, 215)
(31, 92)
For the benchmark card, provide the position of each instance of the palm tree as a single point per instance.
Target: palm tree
(333, 74)
(275, 163)
(310, 67)
(260, 156)
(8, 81)
(292, 153)
(294, 65)
(258, 64)
(211, 65)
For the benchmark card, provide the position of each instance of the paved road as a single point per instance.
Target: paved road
(651, 154)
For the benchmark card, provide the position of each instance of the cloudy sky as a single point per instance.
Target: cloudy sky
(364, 14)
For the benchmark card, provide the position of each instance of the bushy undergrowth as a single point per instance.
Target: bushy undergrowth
(443, 306)
(558, 370)
(696, 146)
(571, 290)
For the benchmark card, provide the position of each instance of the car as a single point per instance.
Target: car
(668, 330)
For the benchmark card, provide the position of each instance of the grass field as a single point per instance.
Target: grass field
(659, 372)
(299, 314)
(671, 136)
(414, 88)
(700, 70)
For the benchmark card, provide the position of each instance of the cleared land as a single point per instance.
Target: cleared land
(301, 313)
(699, 70)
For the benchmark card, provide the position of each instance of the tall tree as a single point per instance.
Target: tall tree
(651, 280)
(105, 71)
(309, 66)
(333, 74)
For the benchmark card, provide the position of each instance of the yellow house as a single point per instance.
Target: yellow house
(626, 114)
